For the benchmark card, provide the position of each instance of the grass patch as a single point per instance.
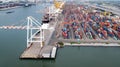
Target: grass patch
(75, 43)
(119, 43)
(107, 43)
(61, 44)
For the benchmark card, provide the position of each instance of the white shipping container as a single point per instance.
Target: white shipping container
(53, 52)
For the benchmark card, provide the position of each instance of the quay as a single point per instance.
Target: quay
(93, 44)
(39, 45)
(36, 50)
(73, 25)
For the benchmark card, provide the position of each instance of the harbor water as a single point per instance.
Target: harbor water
(13, 43)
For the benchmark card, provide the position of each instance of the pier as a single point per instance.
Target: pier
(42, 49)
(13, 27)
(39, 45)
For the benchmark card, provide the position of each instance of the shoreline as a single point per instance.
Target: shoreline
(93, 44)
(4, 9)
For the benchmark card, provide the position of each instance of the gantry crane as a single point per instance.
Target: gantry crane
(34, 25)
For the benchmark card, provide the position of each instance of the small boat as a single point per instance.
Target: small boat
(27, 5)
(9, 12)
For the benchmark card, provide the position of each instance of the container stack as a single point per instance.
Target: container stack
(90, 21)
